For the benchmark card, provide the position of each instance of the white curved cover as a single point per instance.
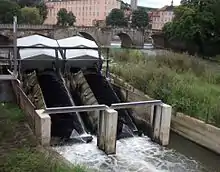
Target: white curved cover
(37, 40)
(77, 41)
(37, 53)
(47, 54)
(73, 54)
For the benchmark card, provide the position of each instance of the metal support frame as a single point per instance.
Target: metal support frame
(15, 45)
(87, 108)
(107, 64)
(133, 104)
(70, 109)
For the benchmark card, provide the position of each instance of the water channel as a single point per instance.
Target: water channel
(140, 154)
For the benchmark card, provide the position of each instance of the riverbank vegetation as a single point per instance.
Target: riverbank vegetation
(195, 27)
(19, 151)
(189, 84)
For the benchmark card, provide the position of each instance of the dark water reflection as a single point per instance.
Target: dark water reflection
(208, 158)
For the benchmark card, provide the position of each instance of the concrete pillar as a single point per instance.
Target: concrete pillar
(165, 124)
(43, 127)
(107, 131)
(101, 131)
(111, 118)
(151, 115)
(160, 124)
(156, 123)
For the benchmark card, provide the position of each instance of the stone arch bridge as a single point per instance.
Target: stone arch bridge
(102, 36)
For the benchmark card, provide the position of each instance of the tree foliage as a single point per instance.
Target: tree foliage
(30, 15)
(64, 18)
(8, 9)
(116, 18)
(26, 3)
(196, 21)
(139, 18)
(42, 10)
(28, 12)
(71, 18)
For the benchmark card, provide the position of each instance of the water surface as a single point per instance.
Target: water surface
(137, 154)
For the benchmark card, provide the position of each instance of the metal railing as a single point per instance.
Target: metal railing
(69, 109)
(88, 108)
(133, 104)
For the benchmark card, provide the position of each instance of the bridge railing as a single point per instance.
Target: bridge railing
(26, 26)
(50, 27)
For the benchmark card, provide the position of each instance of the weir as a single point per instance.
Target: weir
(105, 94)
(113, 120)
(66, 125)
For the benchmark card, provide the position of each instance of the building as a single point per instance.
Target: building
(161, 16)
(134, 4)
(86, 11)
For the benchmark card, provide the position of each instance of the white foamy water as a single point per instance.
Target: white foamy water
(137, 154)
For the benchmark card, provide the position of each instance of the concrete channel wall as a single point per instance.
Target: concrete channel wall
(193, 129)
(198, 131)
(39, 122)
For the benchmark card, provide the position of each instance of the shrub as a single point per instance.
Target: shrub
(189, 84)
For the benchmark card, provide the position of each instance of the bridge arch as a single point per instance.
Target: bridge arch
(88, 36)
(126, 40)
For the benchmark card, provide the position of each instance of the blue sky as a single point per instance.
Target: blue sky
(155, 3)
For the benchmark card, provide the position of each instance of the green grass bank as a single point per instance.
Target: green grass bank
(19, 151)
(191, 85)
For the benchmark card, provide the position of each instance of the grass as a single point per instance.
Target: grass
(19, 151)
(191, 85)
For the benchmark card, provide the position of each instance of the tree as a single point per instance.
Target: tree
(71, 18)
(26, 3)
(196, 21)
(30, 15)
(140, 18)
(62, 17)
(42, 10)
(8, 9)
(116, 18)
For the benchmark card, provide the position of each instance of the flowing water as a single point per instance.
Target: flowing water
(140, 154)
(136, 154)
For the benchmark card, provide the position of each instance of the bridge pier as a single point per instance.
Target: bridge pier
(107, 131)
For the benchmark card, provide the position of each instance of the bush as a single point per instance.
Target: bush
(189, 84)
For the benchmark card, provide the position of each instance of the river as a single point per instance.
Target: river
(140, 154)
